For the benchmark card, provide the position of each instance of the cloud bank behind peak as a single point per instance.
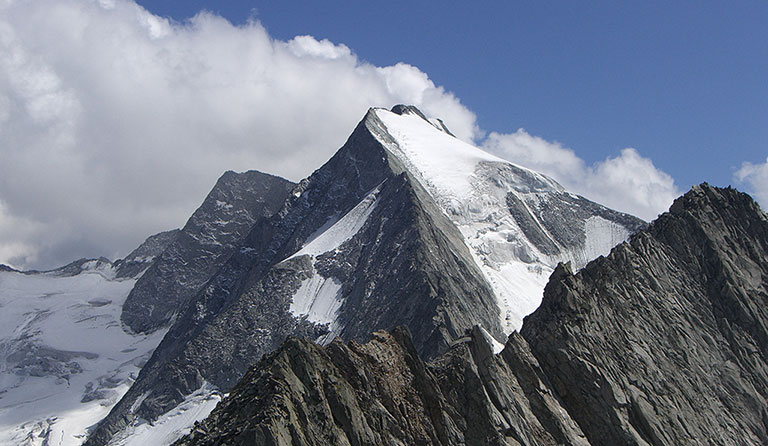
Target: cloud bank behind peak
(114, 123)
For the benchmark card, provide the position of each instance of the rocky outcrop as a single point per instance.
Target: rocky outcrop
(234, 205)
(141, 258)
(383, 393)
(662, 342)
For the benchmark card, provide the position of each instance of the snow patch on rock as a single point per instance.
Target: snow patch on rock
(319, 299)
(335, 232)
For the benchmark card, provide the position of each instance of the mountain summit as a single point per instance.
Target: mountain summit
(404, 225)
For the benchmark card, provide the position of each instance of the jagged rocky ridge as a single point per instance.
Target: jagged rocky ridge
(662, 342)
(383, 393)
(197, 251)
(369, 241)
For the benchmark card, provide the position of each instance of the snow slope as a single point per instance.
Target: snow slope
(336, 231)
(65, 360)
(474, 189)
(172, 425)
(319, 298)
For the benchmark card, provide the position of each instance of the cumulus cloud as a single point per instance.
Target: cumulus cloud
(628, 182)
(755, 178)
(114, 123)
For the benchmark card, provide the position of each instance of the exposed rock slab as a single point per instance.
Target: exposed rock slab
(205, 242)
(382, 393)
(664, 341)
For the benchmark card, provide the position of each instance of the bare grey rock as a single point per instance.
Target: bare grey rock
(664, 341)
(141, 258)
(383, 393)
(196, 252)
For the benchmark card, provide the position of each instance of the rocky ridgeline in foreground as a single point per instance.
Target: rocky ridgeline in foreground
(664, 341)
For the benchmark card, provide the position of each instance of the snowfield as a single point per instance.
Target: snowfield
(65, 360)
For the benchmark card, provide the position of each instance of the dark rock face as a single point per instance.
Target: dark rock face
(666, 337)
(383, 393)
(195, 253)
(662, 342)
(141, 258)
(557, 216)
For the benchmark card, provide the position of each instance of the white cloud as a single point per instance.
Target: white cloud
(114, 123)
(628, 182)
(755, 178)
(309, 46)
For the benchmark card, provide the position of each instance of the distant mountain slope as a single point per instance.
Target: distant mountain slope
(141, 258)
(64, 357)
(662, 342)
(368, 242)
(205, 242)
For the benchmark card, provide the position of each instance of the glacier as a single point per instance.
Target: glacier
(65, 359)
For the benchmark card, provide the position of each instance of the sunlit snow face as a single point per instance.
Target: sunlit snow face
(473, 188)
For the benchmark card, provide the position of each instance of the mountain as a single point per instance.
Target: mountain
(226, 215)
(662, 342)
(141, 258)
(67, 350)
(404, 225)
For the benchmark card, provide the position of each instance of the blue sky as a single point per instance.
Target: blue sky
(683, 82)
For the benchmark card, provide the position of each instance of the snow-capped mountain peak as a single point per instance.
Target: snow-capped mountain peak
(513, 219)
(404, 225)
